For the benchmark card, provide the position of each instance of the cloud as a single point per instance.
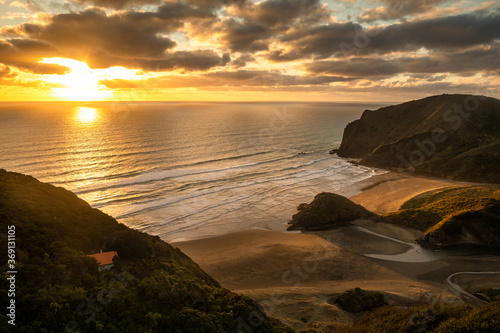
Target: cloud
(345, 39)
(25, 54)
(453, 32)
(245, 36)
(119, 4)
(392, 10)
(6, 72)
(319, 42)
(282, 13)
(358, 67)
(250, 26)
(462, 63)
(139, 39)
(242, 60)
(240, 78)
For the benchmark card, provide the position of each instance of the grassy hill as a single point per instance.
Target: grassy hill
(453, 216)
(436, 318)
(327, 210)
(450, 136)
(154, 287)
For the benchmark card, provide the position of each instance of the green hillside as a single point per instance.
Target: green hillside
(434, 318)
(153, 287)
(453, 216)
(450, 136)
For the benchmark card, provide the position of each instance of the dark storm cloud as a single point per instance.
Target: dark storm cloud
(447, 34)
(395, 9)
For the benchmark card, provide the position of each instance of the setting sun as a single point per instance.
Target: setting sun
(83, 83)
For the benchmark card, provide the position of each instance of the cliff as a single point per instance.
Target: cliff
(449, 136)
(153, 287)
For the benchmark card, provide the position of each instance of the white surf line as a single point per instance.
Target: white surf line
(457, 290)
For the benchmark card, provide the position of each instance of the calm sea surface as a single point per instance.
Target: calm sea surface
(184, 170)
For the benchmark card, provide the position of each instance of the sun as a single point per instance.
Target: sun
(83, 83)
(80, 84)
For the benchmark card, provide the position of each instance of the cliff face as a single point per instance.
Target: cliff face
(154, 287)
(450, 136)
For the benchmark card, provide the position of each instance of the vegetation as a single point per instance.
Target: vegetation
(450, 136)
(430, 318)
(327, 210)
(154, 287)
(492, 294)
(454, 215)
(359, 300)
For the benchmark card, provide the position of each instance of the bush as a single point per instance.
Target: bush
(359, 300)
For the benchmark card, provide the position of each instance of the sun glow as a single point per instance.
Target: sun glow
(83, 83)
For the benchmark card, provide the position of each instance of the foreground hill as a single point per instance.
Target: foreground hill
(154, 287)
(450, 136)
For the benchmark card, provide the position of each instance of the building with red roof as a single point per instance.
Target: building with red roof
(105, 259)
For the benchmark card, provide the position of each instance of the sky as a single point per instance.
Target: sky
(247, 50)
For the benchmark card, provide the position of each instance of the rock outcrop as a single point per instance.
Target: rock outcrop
(326, 211)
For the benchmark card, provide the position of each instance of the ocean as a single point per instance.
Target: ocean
(184, 170)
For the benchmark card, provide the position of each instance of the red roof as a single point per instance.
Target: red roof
(105, 258)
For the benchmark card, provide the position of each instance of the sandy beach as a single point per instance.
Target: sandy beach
(293, 275)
